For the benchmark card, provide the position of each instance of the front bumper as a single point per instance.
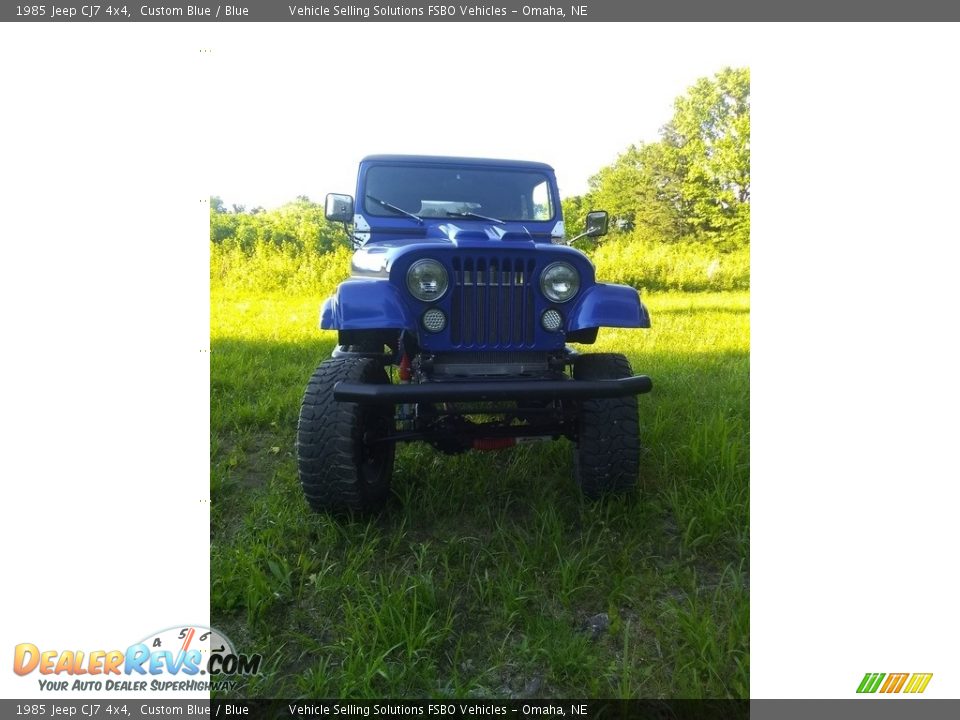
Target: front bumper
(495, 390)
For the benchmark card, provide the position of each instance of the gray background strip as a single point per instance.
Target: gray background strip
(868, 708)
(874, 708)
(506, 11)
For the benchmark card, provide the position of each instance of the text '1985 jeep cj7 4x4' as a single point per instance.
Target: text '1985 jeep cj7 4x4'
(453, 330)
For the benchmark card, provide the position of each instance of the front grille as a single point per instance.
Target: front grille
(492, 302)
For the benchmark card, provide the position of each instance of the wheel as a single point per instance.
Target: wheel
(341, 466)
(607, 456)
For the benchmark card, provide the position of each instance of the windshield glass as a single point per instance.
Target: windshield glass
(471, 193)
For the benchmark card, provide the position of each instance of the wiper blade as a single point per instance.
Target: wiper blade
(475, 216)
(388, 206)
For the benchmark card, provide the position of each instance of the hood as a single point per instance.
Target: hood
(486, 232)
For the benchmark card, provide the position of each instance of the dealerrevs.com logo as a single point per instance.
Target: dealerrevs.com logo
(182, 658)
(909, 683)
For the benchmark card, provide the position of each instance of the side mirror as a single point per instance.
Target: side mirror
(338, 208)
(597, 222)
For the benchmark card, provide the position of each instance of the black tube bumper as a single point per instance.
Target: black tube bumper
(494, 390)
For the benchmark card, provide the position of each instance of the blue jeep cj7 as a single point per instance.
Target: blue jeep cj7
(453, 330)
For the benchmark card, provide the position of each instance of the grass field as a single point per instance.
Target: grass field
(488, 575)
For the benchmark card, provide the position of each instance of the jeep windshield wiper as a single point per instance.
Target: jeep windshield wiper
(388, 206)
(475, 216)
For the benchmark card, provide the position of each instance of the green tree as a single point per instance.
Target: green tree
(295, 226)
(694, 184)
(708, 140)
(640, 191)
(574, 214)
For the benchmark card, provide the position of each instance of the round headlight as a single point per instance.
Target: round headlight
(560, 281)
(427, 280)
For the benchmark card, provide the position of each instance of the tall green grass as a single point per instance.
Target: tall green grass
(287, 267)
(651, 265)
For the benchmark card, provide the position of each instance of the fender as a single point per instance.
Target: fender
(605, 305)
(365, 305)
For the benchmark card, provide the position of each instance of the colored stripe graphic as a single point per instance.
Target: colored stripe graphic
(918, 683)
(870, 682)
(894, 682)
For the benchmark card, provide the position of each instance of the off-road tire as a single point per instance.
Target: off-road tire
(607, 456)
(340, 469)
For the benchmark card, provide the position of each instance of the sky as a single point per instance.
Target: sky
(295, 117)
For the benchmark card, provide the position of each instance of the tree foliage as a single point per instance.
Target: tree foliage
(299, 224)
(692, 185)
(640, 192)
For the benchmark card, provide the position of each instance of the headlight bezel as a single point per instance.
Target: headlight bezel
(557, 297)
(412, 282)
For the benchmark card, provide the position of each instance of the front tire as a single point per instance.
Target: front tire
(607, 456)
(341, 466)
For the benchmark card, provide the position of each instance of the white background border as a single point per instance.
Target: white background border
(103, 276)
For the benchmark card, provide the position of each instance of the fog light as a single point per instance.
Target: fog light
(551, 321)
(434, 320)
